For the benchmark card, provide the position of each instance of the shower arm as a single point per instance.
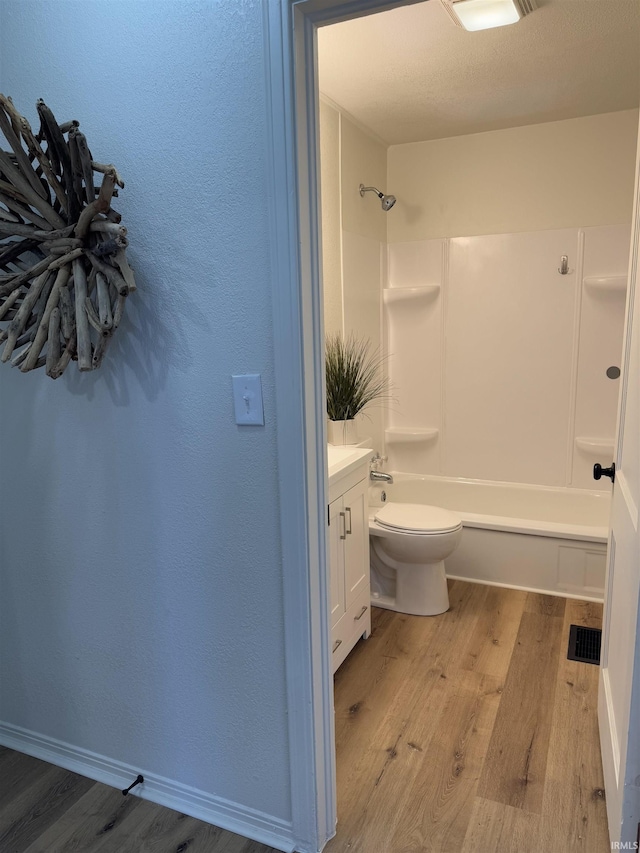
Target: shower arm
(375, 190)
(387, 200)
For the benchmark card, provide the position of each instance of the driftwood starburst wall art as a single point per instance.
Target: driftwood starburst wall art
(64, 276)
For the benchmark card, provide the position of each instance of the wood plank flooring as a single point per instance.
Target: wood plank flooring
(468, 732)
(44, 809)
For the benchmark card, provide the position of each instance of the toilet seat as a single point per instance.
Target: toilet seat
(418, 519)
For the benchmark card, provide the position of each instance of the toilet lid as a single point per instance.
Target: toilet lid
(417, 518)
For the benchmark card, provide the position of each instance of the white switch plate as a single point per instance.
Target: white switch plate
(247, 399)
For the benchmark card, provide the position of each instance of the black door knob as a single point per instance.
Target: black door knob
(599, 471)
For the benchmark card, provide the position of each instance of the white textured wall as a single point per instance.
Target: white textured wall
(141, 605)
(545, 176)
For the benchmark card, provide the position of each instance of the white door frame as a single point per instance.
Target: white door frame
(290, 43)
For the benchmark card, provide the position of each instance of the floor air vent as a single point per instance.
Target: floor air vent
(584, 644)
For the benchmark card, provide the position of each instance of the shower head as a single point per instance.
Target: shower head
(387, 200)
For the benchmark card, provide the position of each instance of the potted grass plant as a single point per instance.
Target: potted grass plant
(354, 379)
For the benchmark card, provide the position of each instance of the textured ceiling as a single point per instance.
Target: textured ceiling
(410, 74)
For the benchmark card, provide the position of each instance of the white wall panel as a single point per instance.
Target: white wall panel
(363, 160)
(354, 230)
(414, 335)
(415, 263)
(329, 127)
(509, 342)
(606, 251)
(361, 272)
(558, 174)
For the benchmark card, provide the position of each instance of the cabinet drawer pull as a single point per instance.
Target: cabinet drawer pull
(348, 509)
(335, 645)
(343, 535)
(361, 614)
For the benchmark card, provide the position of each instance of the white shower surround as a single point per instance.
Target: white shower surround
(544, 539)
(498, 361)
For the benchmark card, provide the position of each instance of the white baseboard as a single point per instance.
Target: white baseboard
(610, 752)
(226, 814)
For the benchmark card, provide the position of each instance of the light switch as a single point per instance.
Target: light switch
(247, 399)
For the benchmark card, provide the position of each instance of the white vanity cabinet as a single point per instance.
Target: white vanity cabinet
(349, 554)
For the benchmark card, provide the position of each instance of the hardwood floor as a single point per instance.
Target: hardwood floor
(471, 732)
(468, 732)
(44, 809)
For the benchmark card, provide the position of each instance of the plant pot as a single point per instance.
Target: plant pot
(342, 432)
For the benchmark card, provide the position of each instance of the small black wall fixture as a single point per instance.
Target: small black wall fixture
(139, 781)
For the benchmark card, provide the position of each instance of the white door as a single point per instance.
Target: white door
(619, 693)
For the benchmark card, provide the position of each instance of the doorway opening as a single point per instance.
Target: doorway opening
(360, 257)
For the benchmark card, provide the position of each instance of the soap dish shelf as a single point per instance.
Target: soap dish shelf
(606, 284)
(395, 295)
(597, 446)
(409, 435)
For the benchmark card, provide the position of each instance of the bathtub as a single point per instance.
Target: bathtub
(537, 538)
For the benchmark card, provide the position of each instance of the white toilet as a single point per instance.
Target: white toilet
(409, 544)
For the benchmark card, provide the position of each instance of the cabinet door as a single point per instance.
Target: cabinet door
(356, 509)
(336, 559)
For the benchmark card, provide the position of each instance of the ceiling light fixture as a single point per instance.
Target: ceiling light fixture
(483, 14)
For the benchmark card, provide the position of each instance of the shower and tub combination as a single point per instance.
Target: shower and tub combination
(541, 539)
(506, 397)
(504, 354)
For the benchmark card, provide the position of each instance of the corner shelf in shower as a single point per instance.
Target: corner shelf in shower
(595, 445)
(606, 284)
(409, 435)
(394, 295)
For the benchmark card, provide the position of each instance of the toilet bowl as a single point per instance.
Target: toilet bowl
(409, 544)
